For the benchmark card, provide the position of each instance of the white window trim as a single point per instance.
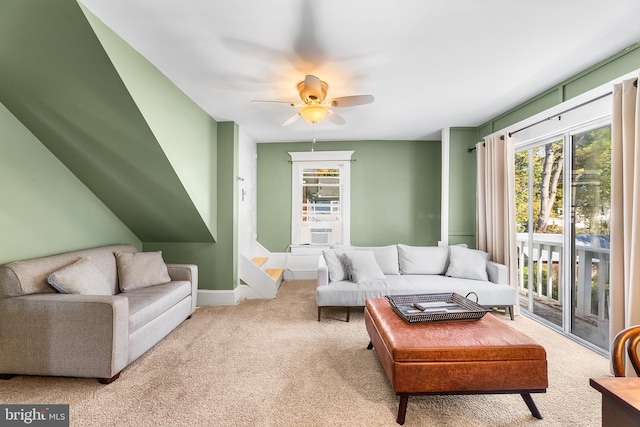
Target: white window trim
(319, 159)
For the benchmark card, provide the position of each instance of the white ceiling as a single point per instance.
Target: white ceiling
(430, 64)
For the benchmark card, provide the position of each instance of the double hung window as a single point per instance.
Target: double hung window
(320, 198)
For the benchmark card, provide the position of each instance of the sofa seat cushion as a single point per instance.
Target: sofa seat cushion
(148, 303)
(489, 294)
(347, 293)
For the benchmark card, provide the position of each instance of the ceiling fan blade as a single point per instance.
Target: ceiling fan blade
(313, 86)
(350, 101)
(290, 120)
(291, 104)
(335, 118)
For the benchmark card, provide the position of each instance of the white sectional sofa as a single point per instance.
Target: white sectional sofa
(347, 276)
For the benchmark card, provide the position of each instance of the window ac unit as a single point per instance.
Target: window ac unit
(320, 236)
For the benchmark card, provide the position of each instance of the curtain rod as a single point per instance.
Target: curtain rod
(469, 150)
(561, 113)
(567, 110)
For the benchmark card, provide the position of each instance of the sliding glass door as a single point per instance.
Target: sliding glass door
(562, 218)
(591, 211)
(539, 218)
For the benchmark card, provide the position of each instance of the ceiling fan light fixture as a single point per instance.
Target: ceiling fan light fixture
(313, 113)
(314, 93)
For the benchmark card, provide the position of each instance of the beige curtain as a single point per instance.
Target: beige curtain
(496, 206)
(625, 209)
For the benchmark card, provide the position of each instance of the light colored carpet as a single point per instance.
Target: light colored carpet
(271, 363)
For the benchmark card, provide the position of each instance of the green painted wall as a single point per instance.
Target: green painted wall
(45, 209)
(273, 194)
(57, 79)
(106, 149)
(395, 192)
(226, 248)
(462, 189)
(217, 262)
(186, 133)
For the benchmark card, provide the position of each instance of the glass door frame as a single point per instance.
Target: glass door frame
(567, 274)
(570, 238)
(529, 146)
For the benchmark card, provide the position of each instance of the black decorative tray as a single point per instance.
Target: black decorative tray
(443, 307)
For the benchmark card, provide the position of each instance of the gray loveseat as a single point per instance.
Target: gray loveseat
(347, 276)
(89, 313)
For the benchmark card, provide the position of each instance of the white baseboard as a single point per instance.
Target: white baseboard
(207, 297)
(301, 274)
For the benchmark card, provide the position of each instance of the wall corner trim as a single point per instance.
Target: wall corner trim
(444, 203)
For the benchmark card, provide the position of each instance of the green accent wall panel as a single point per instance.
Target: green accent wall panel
(534, 106)
(485, 129)
(273, 193)
(620, 64)
(200, 254)
(218, 262)
(395, 192)
(462, 186)
(623, 62)
(45, 209)
(226, 248)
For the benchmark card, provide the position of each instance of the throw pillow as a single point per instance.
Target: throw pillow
(335, 265)
(141, 270)
(362, 266)
(386, 257)
(81, 277)
(467, 263)
(423, 259)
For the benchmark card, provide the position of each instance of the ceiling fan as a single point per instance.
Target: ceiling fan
(316, 107)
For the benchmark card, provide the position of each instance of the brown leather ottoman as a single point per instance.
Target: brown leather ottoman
(460, 357)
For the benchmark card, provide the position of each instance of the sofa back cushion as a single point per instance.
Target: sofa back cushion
(30, 276)
(423, 259)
